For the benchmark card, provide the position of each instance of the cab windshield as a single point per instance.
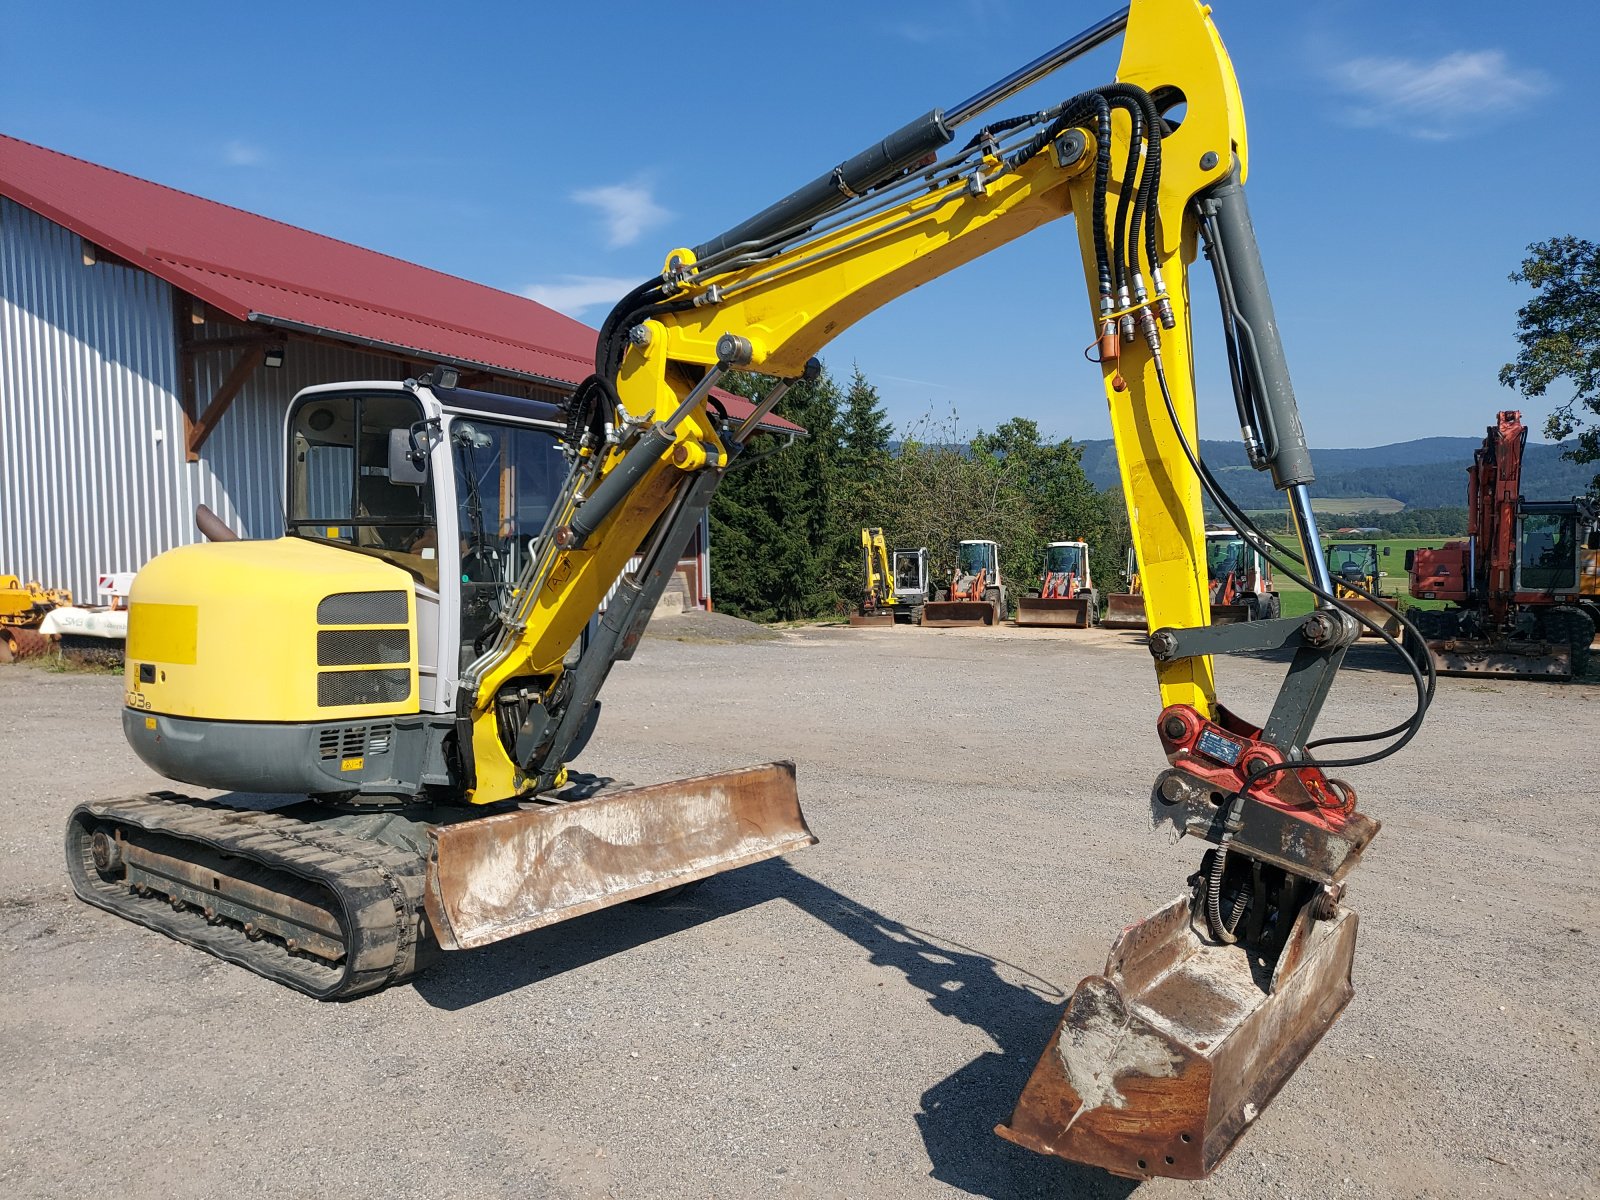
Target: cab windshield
(974, 557)
(339, 485)
(1224, 555)
(1353, 562)
(1549, 552)
(1063, 560)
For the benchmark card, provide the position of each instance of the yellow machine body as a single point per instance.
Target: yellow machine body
(241, 631)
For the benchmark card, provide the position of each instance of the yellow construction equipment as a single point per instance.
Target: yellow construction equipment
(1357, 563)
(436, 662)
(896, 586)
(22, 607)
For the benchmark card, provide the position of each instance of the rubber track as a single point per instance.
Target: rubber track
(377, 889)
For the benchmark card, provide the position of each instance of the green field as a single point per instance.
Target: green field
(1297, 601)
(1339, 505)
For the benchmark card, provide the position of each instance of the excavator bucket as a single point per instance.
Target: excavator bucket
(1230, 614)
(1124, 610)
(1054, 611)
(1161, 1063)
(874, 620)
(959, 614)
(1512, 658)
(496, 877)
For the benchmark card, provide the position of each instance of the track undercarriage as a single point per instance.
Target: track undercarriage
(336, 904)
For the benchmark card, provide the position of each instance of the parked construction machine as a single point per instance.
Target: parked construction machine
(1065, 597)
(429, 679)
(976, 595)
(1357, 574)
(1125, 610)
(1240, 579)
(1515, 584)
(896, 586)
(23, 607)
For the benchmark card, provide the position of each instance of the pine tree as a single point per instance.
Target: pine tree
(774, 524)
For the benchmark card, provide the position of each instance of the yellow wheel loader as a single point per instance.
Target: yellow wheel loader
(421, 654)
(1356, 575)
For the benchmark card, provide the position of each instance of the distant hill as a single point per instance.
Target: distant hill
(1424, 473)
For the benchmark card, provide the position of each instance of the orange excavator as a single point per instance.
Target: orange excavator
(1515, 584)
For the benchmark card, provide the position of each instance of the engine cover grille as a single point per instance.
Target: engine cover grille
(363, 608)
(335, 688)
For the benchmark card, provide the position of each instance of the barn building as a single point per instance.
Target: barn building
(151, 340)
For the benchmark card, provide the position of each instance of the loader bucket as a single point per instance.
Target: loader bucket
(1371, 610)
(1124, 610)
(875, 620)
(959, 614)
(1230, 614)
(1161, 1063)
(495, 877)
(1056, 612)
(1511, 658)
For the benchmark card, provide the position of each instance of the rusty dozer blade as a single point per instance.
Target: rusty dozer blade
(1510, 658)
(496, 877)
(871, 620)
(1124, 610)
(958, 614)
(1057, 612)
(1161, 1063)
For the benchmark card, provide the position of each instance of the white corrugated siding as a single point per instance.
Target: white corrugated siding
(93, 474)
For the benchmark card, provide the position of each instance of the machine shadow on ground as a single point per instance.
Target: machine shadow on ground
(1015, 1009)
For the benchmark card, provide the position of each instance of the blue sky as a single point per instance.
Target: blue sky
(1403, 155)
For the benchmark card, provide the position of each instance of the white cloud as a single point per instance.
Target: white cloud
(1437, 99)
(572, 294)
(628, 210)
(243, 154)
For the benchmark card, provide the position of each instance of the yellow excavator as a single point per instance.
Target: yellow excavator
(422, 653)
(896, 583)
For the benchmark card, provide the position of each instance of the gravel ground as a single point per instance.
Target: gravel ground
(851, 1022)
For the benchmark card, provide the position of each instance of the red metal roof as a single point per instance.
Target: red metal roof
(253, 268)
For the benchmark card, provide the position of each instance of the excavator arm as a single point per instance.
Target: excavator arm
(1205, 1009)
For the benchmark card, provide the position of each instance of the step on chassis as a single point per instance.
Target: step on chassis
(321, 911)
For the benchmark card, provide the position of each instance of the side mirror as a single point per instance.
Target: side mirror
(1592, 542)
(1411, 559)
(1386, 551)
(408, 466)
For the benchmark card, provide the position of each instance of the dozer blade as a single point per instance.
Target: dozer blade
(871, 620)
(1230, 614)
(1513, 659)
(499, 876)
(1124, 610)
(1052, 611)
(958, 614)
(1161, 1063)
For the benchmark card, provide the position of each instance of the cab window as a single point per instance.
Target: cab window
(339, 485)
